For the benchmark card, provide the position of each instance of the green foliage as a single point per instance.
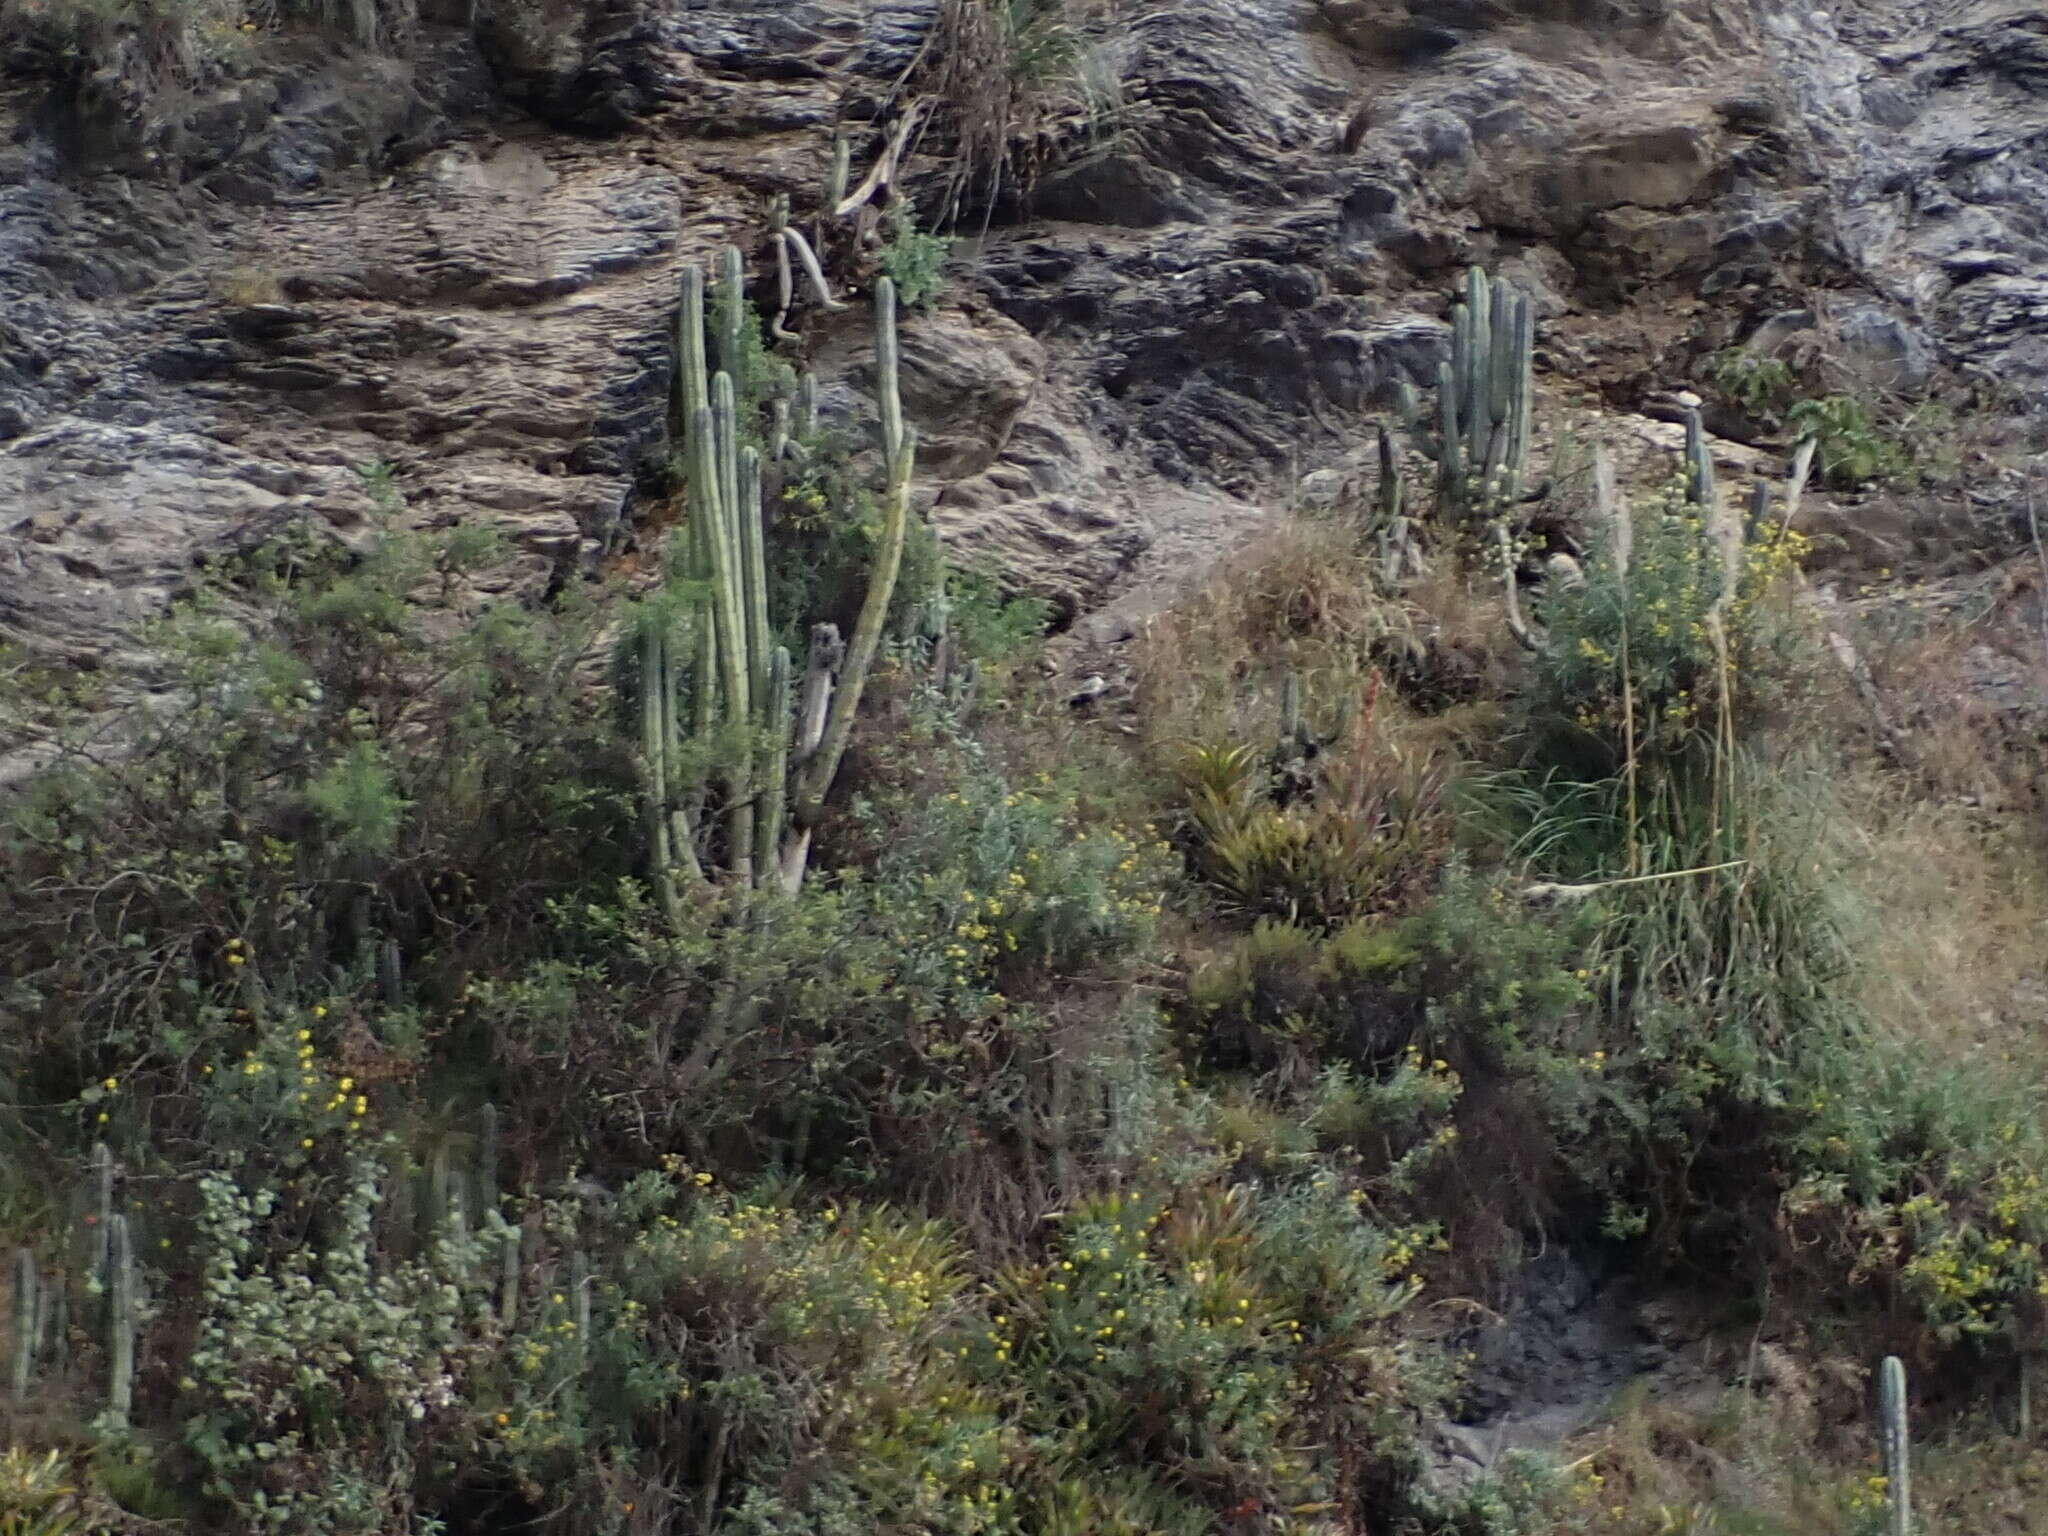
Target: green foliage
(827, 530)
(914, 259)
(1765, 387)
(312, 1371)
(1633, 671)
(1368, 833)
(36, 1497)
(993, 626)
(1204, 1338)
(1852, 449)
(359, 799)
(1043, 45)
(337, 768)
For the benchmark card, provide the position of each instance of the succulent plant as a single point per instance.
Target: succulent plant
(1480, 443)
(27, 1317)
(1898, 1446)
(123, 1318)
(739, 684)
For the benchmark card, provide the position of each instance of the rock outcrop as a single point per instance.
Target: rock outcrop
(460, 267)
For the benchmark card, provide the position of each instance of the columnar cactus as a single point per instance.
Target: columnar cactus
(1699, 461)
(740, 684)
(124, 1305)
(101, 1195)
(487, 1161)
(27, 1300)
(1484, 392)
(1898, 1471)
(899, 454)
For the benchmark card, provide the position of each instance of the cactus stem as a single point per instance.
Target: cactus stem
(27, 1299)
(1898, 1447)
(121, 1322)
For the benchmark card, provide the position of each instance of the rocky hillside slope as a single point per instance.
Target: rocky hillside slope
(460, 261)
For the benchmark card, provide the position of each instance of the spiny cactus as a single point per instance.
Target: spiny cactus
(487, 1161)
(124, 1306)
(739, 684)
(1400, 558)
(1699, 461)
(27, 1303)
(1481, 440)
(101, 1195)
(510, 1240)
(899, 454)
(1898, 1447)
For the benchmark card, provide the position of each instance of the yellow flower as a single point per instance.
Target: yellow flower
(237, 960)
(319, 1012)
(345, 1084)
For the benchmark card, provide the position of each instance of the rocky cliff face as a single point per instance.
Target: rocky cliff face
(461, 263)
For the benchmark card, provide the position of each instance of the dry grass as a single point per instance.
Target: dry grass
(1793, 1455)
(1948, 851)
(1295, 599)
(1007, 76)
(1958, 907)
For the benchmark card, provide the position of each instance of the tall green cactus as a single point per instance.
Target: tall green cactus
(1480, 443)
(899, 454)
(486, 1162)
(739, 683)
(1898, 1446)
(101, 1194)
(1699, 461)
(27, 1300)
(124, 1305)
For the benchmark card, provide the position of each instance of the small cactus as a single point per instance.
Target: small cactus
(1699, 461)
(508, 1277)
(1898, 1471)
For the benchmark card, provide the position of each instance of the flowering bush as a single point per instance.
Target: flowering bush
(1632, 667)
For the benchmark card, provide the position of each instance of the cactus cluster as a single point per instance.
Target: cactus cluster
(1480, 441)
(42, 1319)
(717, 650)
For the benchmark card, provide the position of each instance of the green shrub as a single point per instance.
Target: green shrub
(1204, 1339)
(1632, 673)
(1851, 448)
(1765, 387)
(1365, 838)
(313, 1373)
(338, 771)
(916, 260)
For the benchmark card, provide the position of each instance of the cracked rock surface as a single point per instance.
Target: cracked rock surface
(463, 265)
